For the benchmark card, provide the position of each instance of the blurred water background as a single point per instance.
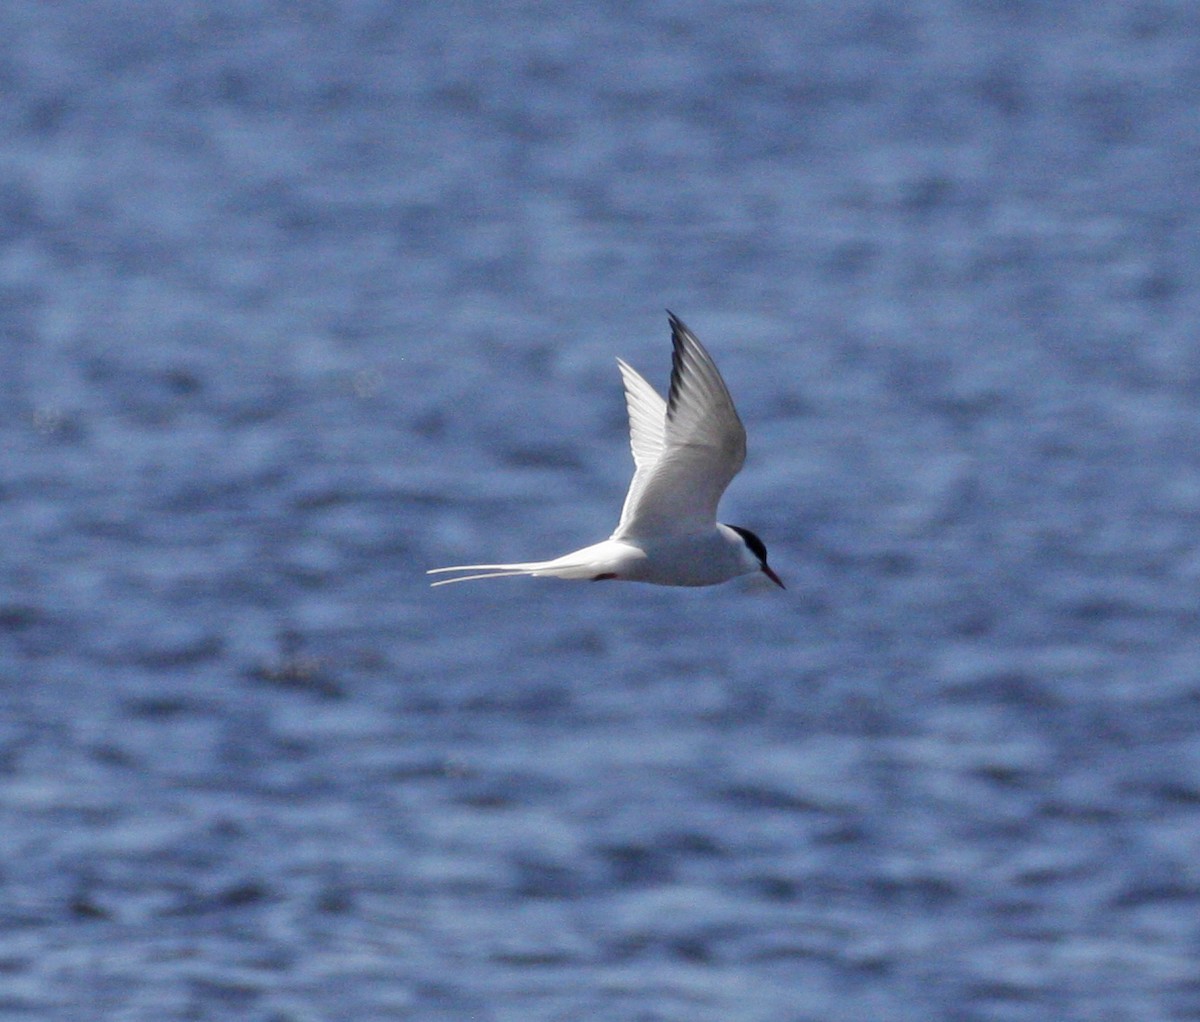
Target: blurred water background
(298, 300)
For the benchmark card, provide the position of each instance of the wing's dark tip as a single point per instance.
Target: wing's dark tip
(678, 329)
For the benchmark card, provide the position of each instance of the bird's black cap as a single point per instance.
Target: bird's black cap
(756, 545)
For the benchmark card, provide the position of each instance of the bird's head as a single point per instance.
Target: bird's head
(755, 554)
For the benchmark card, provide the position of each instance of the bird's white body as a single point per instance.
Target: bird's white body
(704, 559)
(686, 451)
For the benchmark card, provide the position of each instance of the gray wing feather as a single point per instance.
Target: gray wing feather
(647, 432)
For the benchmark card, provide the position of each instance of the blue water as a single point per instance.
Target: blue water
(300, 300)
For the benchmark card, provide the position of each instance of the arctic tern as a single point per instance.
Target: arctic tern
(686, 450)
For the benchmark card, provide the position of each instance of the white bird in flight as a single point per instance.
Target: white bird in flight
(686, 451)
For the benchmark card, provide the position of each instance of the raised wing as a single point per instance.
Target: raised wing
(703, 447)
(647, 431)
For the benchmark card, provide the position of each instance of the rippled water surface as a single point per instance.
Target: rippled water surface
(300, 300)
